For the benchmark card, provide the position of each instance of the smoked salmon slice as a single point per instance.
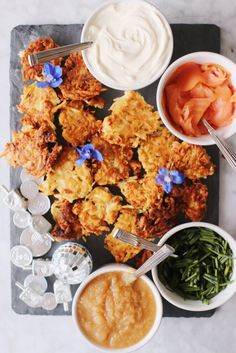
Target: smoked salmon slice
(196, 91)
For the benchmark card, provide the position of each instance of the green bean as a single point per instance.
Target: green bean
(203, 267)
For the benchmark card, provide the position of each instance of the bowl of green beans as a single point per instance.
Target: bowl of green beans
(202, 274)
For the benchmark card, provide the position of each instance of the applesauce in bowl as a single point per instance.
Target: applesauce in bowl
(114, 314)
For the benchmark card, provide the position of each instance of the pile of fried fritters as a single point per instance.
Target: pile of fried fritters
(134, 144)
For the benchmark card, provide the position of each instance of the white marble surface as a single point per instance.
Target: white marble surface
(56, 334)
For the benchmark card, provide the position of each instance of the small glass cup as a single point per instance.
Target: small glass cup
(72, 263)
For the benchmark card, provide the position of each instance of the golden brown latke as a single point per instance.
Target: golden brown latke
(38, 103)
(164, 150)
(157, 220)
(98, 210)
(195, 201)
(121, 251)
(154, 153)
(35, 72)
(141, 193)
(192, 160)
(97, 102)
(67, 180)
(67, 225)
(78, 83)
(34, 149)
(78, 124)
(136, 168)
(131, 120)
(115, 165)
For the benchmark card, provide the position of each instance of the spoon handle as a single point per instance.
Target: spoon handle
(154, 260)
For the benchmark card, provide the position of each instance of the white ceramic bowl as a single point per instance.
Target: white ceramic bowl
(123, 268)
(124, 87)
(197, 305)
(200, 58)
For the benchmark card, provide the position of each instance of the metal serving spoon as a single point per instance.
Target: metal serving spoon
(159, 256)
(55, 53)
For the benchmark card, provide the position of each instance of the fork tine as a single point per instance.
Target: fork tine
(226, 153)
(230, 150)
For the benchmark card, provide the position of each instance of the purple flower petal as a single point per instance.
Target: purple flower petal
(89, 146)
(177, 177)
(80, 161)
(97, 155)
(168, 187)
(160, 179)
(47, 69)
(43, 84)
(163, 171)
(55, 84)
(57, 72)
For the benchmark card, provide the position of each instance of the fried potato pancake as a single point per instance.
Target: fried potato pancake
(164, 150)
(67, 223)
(121, 251)
(131, 120)
(97, 102)
(157, 220)
(38, 103)
(192, 160)
(67, 180)
(141, 193)
(34, 149)
(195, 201)
(115, 165)
(100, 209)
(154, 153)
(35, 72)
(78, 83)
(78, 124)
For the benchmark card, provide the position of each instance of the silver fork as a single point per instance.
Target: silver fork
(134, 240)
(54, 53)
(223, 146)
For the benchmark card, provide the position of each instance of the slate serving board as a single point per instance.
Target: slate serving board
(187, 38)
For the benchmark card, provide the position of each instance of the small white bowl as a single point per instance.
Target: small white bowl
(159, 306)
(197, 305)
(200, 58)
(137, 85)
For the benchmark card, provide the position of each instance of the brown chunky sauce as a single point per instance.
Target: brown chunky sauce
(115, 314)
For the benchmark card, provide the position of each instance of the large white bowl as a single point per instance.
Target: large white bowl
(124, 87)
(200, 58)
(197, 305)
(159, 306)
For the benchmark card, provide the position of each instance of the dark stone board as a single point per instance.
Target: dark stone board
(187, 38)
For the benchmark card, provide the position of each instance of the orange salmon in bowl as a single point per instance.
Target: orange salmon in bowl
(199, 91)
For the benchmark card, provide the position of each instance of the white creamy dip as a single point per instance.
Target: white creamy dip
(132, 44)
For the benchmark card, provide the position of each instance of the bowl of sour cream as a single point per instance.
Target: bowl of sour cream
(132, 44)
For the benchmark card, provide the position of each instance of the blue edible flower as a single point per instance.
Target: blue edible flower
(167, 178)
(88, 152)
(53, 76)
